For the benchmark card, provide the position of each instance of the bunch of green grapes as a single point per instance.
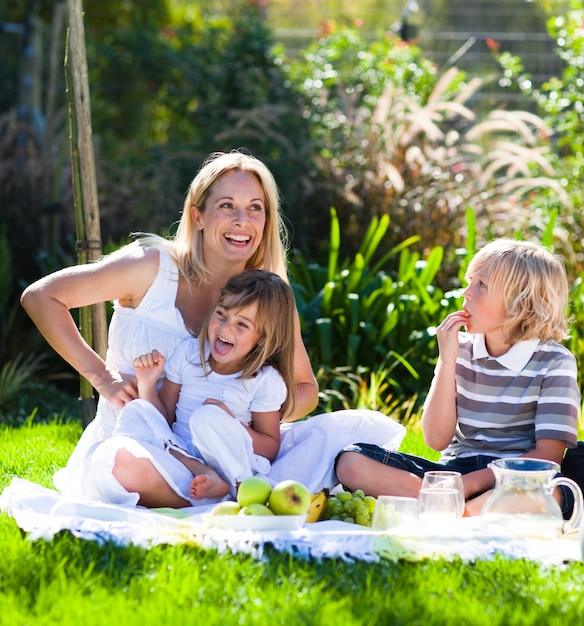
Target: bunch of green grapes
(355, 507)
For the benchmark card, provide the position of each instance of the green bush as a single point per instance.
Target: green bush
(392, 134)
(370, 330)
(360, 318)
(165, 97)
(559, 101)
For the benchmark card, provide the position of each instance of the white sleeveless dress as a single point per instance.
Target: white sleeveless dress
(154, 323)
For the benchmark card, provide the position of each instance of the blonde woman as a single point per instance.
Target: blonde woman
(163, 290)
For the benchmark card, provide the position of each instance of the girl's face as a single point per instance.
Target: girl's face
(233, 219)
(485, 312)
(232, 336)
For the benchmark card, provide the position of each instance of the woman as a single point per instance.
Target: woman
(163, 290)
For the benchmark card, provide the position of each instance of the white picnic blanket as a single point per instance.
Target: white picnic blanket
(42, 513)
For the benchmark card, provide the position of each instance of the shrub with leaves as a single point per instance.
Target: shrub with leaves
(357, 315)
(206, 81)
(560, 104)
(393, 135)
(18, 366)
(370, 330)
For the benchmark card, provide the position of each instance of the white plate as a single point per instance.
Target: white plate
(255, 522)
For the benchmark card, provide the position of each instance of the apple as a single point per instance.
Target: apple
(253, 490)
(289, 497)
(255, 508)
(226, 508)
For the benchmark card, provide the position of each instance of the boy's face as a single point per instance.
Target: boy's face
(486, 312)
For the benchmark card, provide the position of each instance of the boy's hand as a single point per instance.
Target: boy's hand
(447, 334)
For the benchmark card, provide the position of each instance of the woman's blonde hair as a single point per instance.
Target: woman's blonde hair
(188, 241)
(533, 285)
(276, 308)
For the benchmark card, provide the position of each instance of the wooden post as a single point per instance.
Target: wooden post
(93, 324)
(50, 201)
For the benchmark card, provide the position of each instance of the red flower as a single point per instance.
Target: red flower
(325, 27)
(493, 45)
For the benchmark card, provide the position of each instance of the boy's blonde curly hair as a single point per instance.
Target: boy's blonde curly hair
(533, 284)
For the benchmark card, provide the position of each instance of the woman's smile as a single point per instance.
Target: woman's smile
(234, 217)
(238, 239)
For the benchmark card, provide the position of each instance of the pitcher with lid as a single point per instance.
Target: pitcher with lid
(523, 503)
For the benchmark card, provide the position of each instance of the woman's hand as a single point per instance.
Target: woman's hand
(119, 389)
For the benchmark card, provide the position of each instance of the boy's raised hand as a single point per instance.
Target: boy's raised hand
(447, 334)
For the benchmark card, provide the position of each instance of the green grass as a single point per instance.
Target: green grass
(70, 582)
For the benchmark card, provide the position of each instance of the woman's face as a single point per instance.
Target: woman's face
(233, 219)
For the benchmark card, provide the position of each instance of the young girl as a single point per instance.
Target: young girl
(223, 397)
(505, 388)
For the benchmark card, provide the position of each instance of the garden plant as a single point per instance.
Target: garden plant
(391, 176)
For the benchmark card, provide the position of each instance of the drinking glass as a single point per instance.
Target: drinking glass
(444, 479)
(437, 505)
(394, 511)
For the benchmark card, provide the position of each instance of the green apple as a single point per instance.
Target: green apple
(255, 508)
(253, 490)
(289, 497)
(226, 508)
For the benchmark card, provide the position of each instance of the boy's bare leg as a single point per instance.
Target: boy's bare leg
(206, 482)
(138, 475)
(357, 471)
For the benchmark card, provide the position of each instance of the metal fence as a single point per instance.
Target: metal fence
(464, 33)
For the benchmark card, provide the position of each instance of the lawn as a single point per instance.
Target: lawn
(69, 581)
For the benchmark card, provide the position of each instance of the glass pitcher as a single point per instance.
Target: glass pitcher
(522, 502)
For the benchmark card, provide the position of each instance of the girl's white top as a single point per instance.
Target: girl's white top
(263, 392)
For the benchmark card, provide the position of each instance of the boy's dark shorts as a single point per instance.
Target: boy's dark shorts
(419, 466)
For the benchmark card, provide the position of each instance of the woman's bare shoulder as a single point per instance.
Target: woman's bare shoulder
(132, 270)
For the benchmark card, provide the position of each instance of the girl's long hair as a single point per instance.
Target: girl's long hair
(276, 308)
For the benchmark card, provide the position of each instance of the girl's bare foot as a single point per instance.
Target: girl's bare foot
(206, 482)
(208, 485)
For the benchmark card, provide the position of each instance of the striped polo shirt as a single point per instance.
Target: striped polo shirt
(504, 404)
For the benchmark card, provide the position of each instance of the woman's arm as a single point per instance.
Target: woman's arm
(306, 385)
(125, 276)
(265, 433)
